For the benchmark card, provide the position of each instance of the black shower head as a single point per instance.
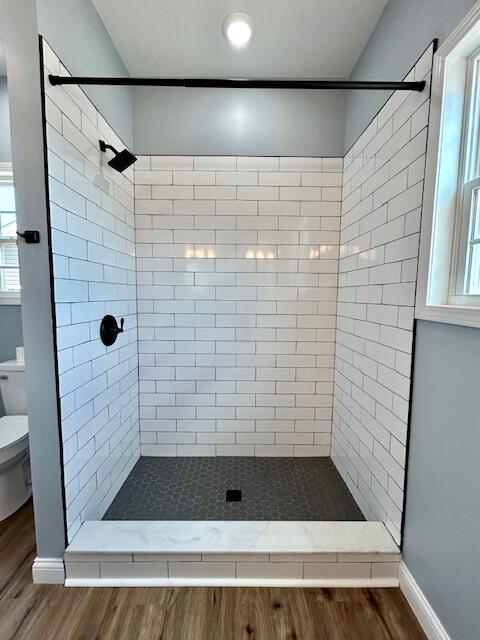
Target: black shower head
(121, 160)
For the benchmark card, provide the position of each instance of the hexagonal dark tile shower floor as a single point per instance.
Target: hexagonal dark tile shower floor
(271, 489)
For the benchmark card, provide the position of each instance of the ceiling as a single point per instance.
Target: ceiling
(291, 38)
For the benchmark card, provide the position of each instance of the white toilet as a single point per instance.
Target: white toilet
(15, 482)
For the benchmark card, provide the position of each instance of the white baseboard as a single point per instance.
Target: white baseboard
(341, 583)
(428, 619)
(48, 571)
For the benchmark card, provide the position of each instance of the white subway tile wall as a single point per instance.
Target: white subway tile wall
(237, 266)
(93, 248)
(380, 225)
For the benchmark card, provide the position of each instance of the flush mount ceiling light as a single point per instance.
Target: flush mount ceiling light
(237, 28)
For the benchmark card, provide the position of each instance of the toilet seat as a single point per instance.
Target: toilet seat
(13, 437)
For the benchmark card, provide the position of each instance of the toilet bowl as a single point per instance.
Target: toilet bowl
(15, 483)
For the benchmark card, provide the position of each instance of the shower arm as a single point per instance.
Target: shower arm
(241, 83)
(104, 146)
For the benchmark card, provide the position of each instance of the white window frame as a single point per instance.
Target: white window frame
(445, 223)
(469, 181)
(6, 177)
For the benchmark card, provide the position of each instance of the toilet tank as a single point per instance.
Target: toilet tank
(12, 388)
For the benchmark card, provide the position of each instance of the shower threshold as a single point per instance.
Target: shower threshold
(241, 553)
(271, 528)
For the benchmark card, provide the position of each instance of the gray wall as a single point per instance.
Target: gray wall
(442, 527)
(238, 122)
(191, 121)
(5, 150)
(442, 524)
(25, 105)
(10, 335)
(402, 33)
(77, 35)
(10, 330)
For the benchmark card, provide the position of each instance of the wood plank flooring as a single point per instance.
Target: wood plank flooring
(32, 612)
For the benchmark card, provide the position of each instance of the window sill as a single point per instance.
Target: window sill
(10, 300)
(450, 314)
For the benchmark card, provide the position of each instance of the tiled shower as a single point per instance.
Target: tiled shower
(273, 298)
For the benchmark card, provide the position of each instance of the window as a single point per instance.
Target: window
(466, 280)
(9, 270)
(449, 269)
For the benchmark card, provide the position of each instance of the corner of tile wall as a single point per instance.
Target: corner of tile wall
(93, 247)
(379, 243)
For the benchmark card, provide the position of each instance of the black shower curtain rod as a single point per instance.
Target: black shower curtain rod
(240, 83)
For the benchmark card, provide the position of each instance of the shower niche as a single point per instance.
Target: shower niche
(267, 310)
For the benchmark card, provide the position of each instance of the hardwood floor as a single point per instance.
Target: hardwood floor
(32, 612)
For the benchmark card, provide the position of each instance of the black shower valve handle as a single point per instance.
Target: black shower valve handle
(119, 329)
(109, 329)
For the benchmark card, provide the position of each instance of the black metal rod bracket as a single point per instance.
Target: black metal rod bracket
(30, 236)
(241, 83)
